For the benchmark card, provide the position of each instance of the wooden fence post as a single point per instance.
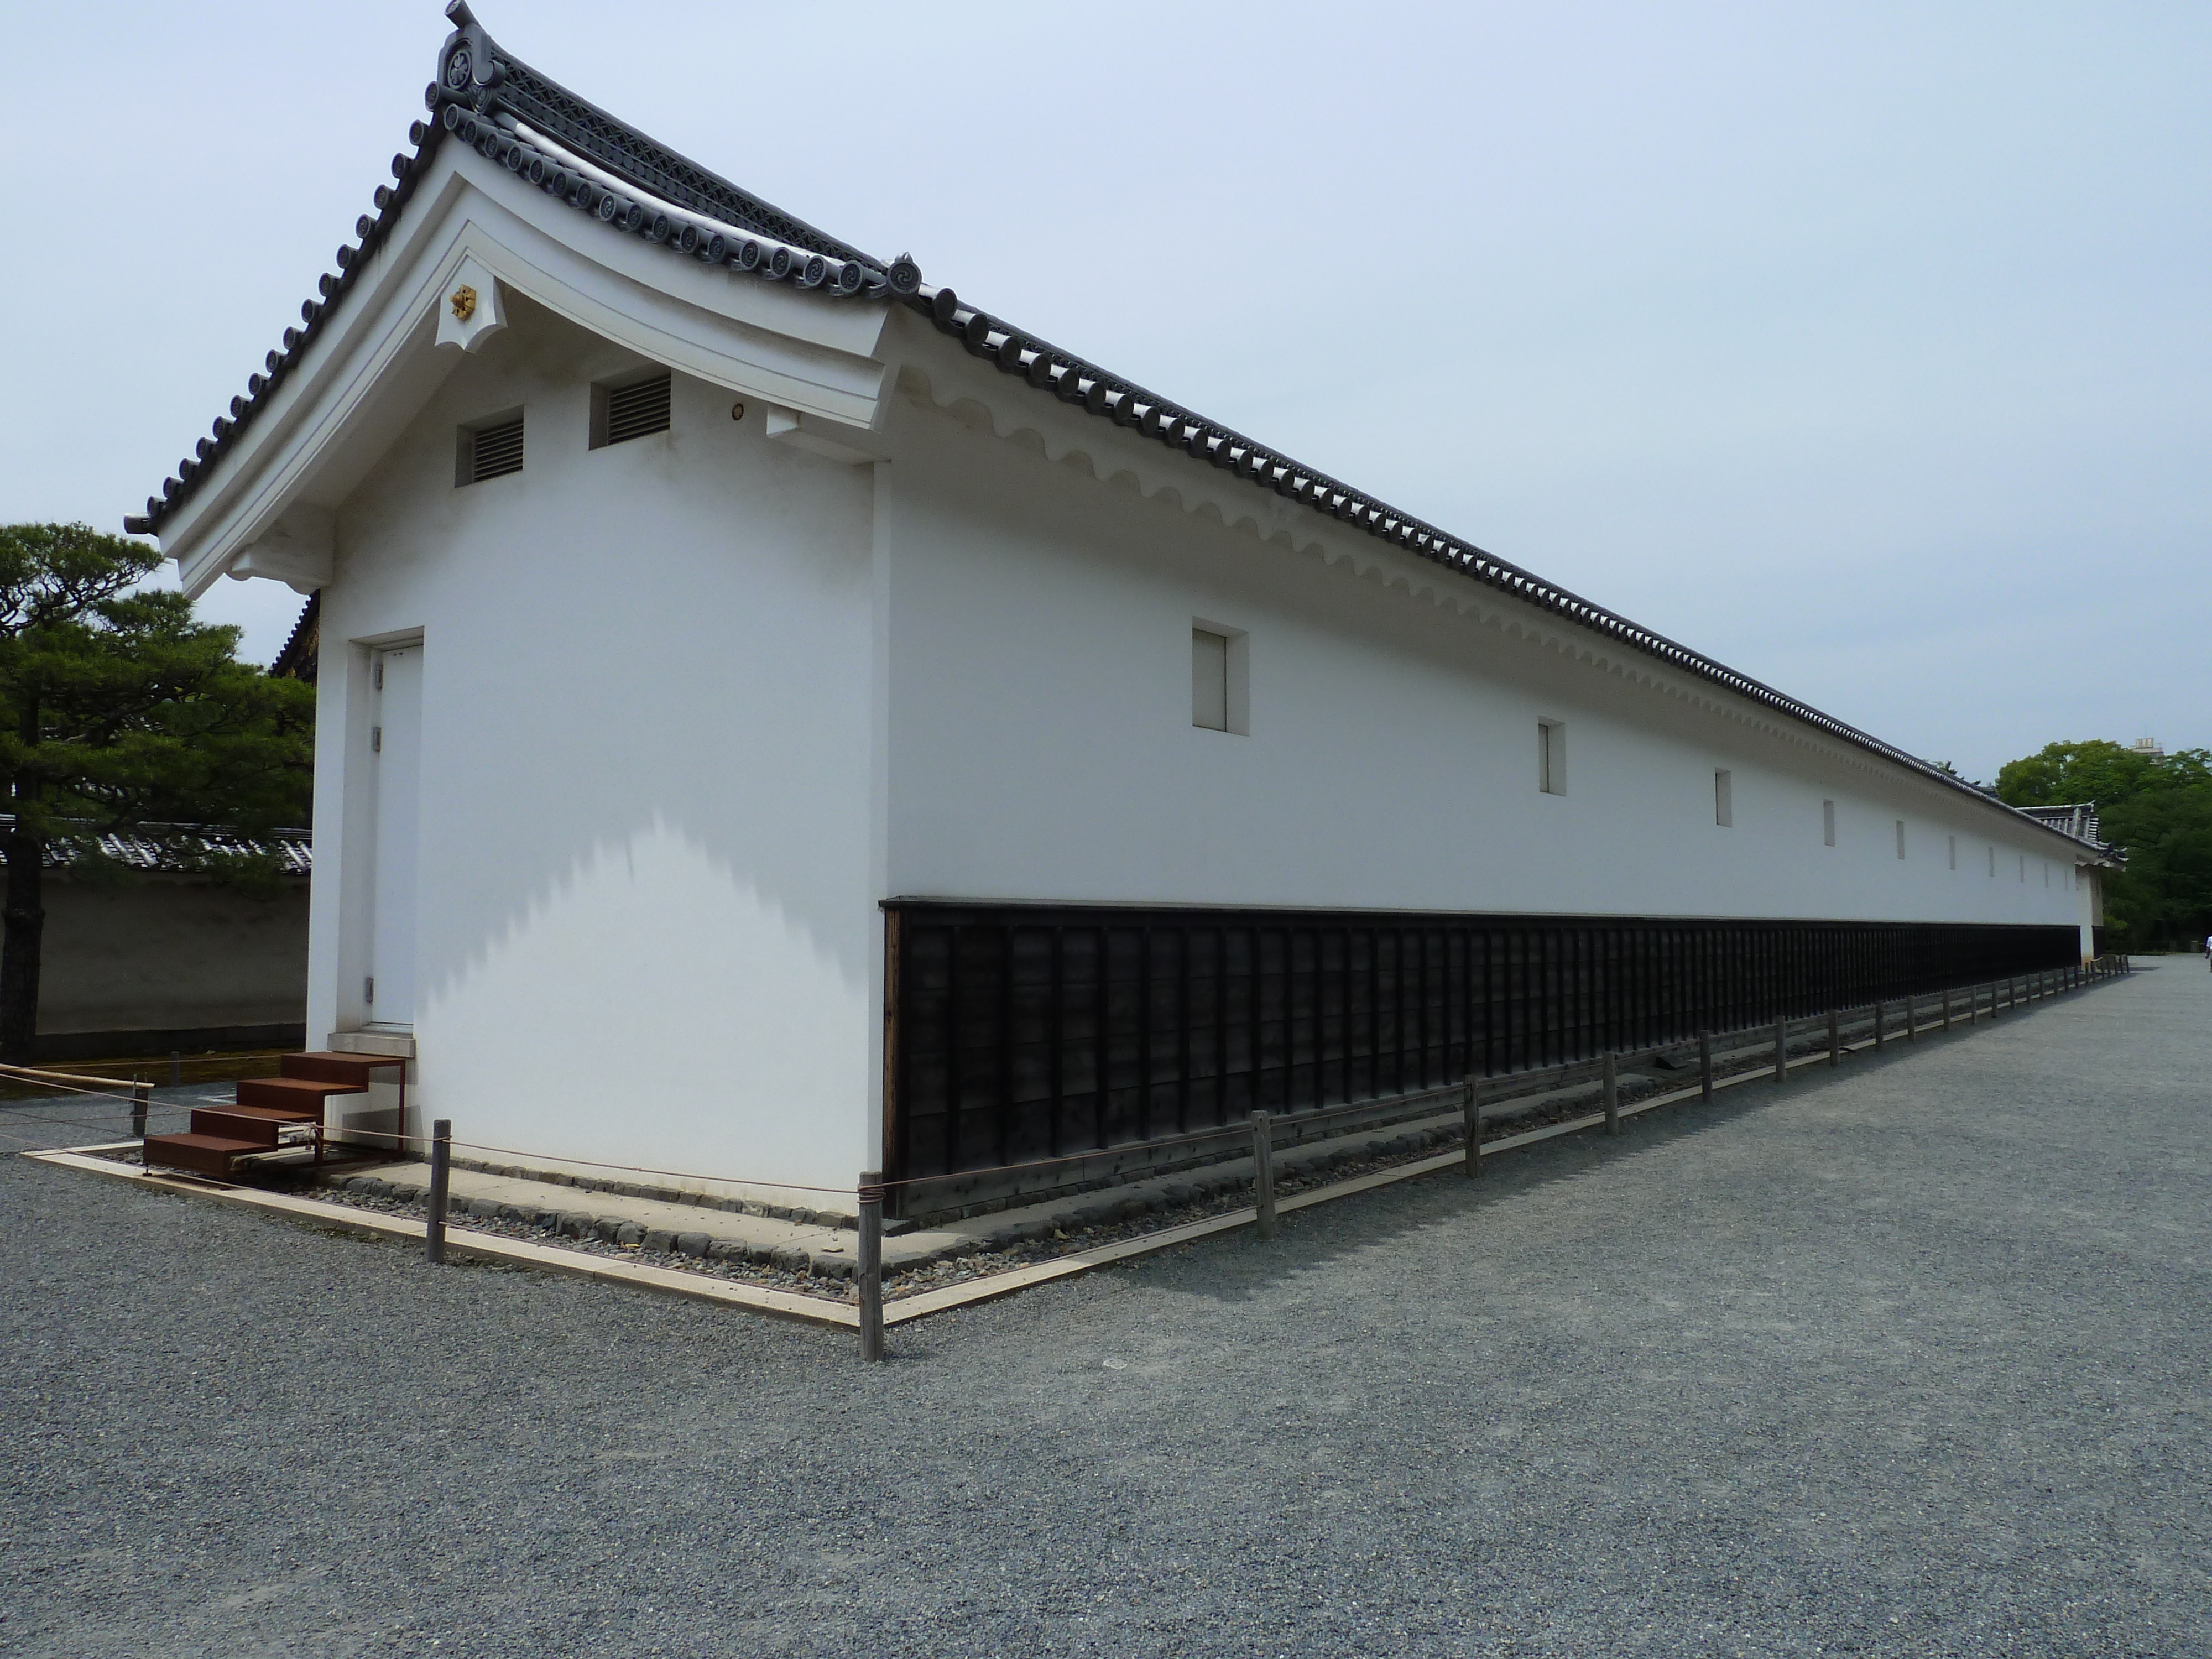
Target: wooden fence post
(441, 1176)
(871, 1271)
(139, 1099)
(1781, 1051)
(1611, 1094)
(1835, 1039)
(1471, 1114)
(1263, 1172)
(1911, 1019)
(1705, 1065)
(1877, 1026)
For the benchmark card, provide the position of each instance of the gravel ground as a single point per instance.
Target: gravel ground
(1904, 1360)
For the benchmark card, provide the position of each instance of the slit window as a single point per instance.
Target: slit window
(1723, 799)
(627, 410)
(1552, 757)
(1954, 851)
(1209, 679)
(1900, 838)
(1827, 823)
(1221, 677)
(491, 450)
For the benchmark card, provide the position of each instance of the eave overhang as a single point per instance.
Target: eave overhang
(262, 505)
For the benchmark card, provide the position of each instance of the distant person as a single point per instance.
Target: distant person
(2208, 950)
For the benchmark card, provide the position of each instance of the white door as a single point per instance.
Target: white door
(395, 755)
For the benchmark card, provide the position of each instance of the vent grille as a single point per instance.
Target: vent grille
(633, 411)
(495, 450)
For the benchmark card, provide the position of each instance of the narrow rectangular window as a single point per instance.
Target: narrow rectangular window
(1209, 679)
(1723, 799)
(1954, 851)
(1900, 838)
(1827, 823)
(1993, 862)
(491, 450)
(1552, 757)
(624, 411)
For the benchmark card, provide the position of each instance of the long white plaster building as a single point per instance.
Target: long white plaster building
(778, 719)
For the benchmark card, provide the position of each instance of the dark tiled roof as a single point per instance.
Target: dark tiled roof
(186, 848)
(302, 655)
(2079, 821)
(539, 131)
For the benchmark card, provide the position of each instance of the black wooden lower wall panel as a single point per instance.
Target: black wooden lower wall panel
(1026, 1032)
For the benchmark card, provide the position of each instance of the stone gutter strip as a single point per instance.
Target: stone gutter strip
(613, 1268)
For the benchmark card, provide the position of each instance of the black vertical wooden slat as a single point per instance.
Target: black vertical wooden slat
(1343, 1011)
(1002, 1108)
(956, 1073)
(1055, 1026)
(1182, 1031)
(1222, 1025)
(1398, 1033)
(1373, 1012)
(1144, 1033)
(1450, 1065)
(1101, 1070)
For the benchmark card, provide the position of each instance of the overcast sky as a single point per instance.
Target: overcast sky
(1864, 348)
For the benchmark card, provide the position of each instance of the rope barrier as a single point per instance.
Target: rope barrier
(101, 1093)
(72, 1077)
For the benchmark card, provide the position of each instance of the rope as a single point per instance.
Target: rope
(33, 1071)
(128, 1100)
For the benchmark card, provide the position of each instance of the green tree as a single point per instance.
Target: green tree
(119, 710)
(2158, 812)
(2062, 773)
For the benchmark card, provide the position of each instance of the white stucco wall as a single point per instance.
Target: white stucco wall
(1041, 743)
(647, 931)
(694, 704)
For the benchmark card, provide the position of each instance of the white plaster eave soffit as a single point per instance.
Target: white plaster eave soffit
(407, 323)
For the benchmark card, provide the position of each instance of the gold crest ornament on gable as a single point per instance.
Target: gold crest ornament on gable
(464, 303)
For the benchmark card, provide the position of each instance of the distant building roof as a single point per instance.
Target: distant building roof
(183, 848)
(2079, 821)
(298, 659)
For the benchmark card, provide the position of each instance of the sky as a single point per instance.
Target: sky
(1866, 349)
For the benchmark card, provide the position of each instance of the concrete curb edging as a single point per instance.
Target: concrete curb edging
(575, 1263)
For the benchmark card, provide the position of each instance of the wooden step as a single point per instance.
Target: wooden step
(291, 1094)
(207, 1155)
(357, 1071)
(259, 1124)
